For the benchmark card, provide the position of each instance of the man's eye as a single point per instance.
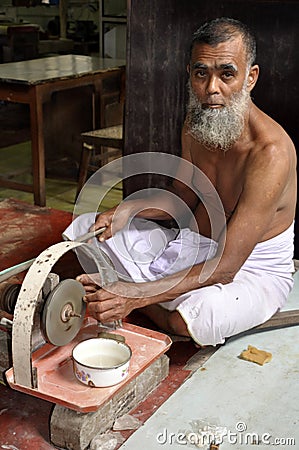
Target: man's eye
(200, 73)
(227, 75)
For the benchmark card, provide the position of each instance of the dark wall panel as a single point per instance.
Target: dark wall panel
(159, 33)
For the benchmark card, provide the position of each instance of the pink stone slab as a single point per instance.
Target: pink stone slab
(57, 382)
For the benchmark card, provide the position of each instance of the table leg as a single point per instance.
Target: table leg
(38, 147)
(96, 111)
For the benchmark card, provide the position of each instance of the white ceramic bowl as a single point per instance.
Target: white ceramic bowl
(101, 362)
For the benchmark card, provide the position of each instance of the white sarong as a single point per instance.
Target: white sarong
(145, 252)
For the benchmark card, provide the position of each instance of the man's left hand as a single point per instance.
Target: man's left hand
(115, 301)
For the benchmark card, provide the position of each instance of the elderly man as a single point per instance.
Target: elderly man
(210, 280)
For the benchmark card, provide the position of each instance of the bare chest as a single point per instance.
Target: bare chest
(219, 181)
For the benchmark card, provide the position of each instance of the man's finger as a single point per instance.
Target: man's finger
(99, 296)
(84, 279)
(105, 235)
(90, 289)
(101, 307)
(93, 279)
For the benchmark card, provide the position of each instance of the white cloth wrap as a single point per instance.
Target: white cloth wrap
(145, 251)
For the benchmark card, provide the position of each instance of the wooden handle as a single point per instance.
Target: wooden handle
(281, 319)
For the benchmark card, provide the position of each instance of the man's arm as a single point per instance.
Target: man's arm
(265, 180)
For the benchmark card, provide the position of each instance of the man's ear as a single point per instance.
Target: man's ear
(188, 69)
(252, 77)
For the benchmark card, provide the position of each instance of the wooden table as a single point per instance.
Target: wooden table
(33, 82)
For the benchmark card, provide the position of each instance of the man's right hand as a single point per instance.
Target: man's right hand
(114, 220)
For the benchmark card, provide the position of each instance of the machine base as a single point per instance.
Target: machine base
(74, 430)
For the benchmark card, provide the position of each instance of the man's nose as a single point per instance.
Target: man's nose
(212, 85)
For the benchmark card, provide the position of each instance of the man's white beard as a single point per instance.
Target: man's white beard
(217, 128)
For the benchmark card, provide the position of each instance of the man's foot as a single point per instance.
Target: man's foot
(169, 321)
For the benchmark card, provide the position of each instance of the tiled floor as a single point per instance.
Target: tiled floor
(60, 193)
(15, 163)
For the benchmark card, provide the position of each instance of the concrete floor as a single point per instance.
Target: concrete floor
(258, 405)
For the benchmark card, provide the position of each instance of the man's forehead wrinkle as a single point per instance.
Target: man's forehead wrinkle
(226, 51)
(204, 56)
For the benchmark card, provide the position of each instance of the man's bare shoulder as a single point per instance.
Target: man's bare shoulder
(271, 149)
(268, 137)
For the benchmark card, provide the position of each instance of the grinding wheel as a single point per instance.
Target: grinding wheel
(63, 312)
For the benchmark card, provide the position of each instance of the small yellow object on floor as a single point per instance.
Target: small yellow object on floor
(255, 355)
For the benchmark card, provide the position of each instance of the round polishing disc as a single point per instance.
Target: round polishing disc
(63, 312)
